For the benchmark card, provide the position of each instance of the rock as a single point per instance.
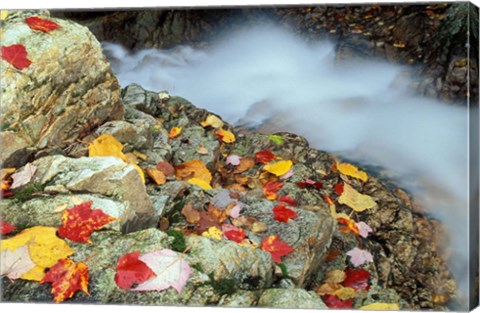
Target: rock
(242, 298)
(67, 91)
(291, 299)
(103, 176)
(135, 135)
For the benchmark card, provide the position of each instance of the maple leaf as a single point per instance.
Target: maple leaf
(6, 228)
(212, 217)
(174, 132)
(213, 121)
(357, 279)
(131, 271)
(271, 188)
(278, 168)
(363, 229)
(352, 171)
(222, 199)
(80, 221)
(333, 302)
(234, 212)
(157, 176)
(44, 247)
(170, 268)
(16, 263)
(265, 156)
(233, 233)
(282, 214)
(275, 247)
(233, 159)
(381, 306)
(67, 277)
(338, 189)
(225, 135)
(24, 176)
(355, 200)
(288, 200)
(166, 168)
(308, 183)
(16, 55)
(350, 225)
(43, 25)
(193, 169)
(359, 256)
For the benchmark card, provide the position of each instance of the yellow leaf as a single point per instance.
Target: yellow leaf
(213, 121)
(3, 15)
(352, 171)
(140, 155)
(278, 168)
(213, 232)
(44, 247)
(335, 276)
(174, 132)
(225, 135)
(200, 183)
(106, 145)
(7, 171)
(345, 293)
(355, 200)
(157, 176)
(193, 169)
(381, 306)
(131, 158)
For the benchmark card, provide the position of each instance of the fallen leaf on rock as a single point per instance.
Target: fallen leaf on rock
(67, 277)
(251, 223)
(381, 306)
(16, 263)
(106, 145)
(357, 279)
(287, 175)
(43, 25)
(212, 217)
(345, 293)
(200, 183)
(76, 200)
(359, 257)
(6, 228)
(363, 229)
(355, 200)
(193, 169)
(140, 155)
(225, 135)
(213, 121)
(157, 176)
(3, 15)
(80, 221)
(222, 199)
(24, 176)
(233, 233)
(245, 165)
(338, 189)
(332, 255)
(192, 216)
(282, 214)
(350, 225)
(275, 247)
(174, 132)
(333, 302)
(16, 55)
(352, 171)
(213, 232)
(271, 188)
(233, 159)
(170, 268)
(44, 247)
(278, 168)
(335, 276)
(202, 150)
(327, 289)
(308, 183)
(234, 212)
(288, 200)
(60, 208)
(166, 168)
(131, 271)
(265, 156)
(277, 139)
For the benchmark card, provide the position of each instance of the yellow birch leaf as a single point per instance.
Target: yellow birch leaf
(193, 169)
(106, 145)
(200, 183)
(3, 15)
(345, 293)
(213, 121)
(352, 171)
(355, 200)
(213, 232)
(225, 135)
(140, 155)
(44, 247)
(278, 168)
(174, 132)
(157, 176)
(381, 306)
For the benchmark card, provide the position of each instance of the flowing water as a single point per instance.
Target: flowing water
(363, 111)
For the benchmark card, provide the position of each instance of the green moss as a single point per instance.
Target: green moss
(223, 286)
(27, 192)
(198, 267)
(178, 244)
(284, 270)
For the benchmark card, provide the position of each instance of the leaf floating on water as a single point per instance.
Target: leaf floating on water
(355, 200)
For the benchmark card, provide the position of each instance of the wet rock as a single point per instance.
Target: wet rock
(67, 91)
(291, 299)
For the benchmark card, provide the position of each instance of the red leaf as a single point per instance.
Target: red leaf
(308, 183)
(166, 168)
(67, 277)
(131, 271)
(350, 225)
(275, 247)
(265, 156)
(338, 189)
(6, 228)
(333, 302)
(357, 279)
(233, 233)
(16, 55)
(288, 200)
(43, 25)
(80, 221)
(282, 214)
(271, 188)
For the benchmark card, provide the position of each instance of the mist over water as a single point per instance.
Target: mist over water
(363, 111)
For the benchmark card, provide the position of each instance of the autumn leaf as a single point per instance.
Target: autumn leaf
(80, 221)
(191, 215)
(157, 176)
(277, 139)
(106, 145)
(233, 159)
(287, 175)
(265, 156)
(271, 188)
(327, 288)
(43, 25)
(212, 217)
(245, 165)
(200, 183)
(352, 171)
(338, 189)
(24, 176)
(381, 306)
(233, 233)
(16, 263)
(355, 200)
(3, 15)
(213, 232)
(6, 228)
(234, 212)
(282, 214)
(309, 183)
(350, 225)
(335, 276)
(363, 229)
(166, 168)
(225, 135)
(193, 169)
(333, 302)
(16, 55)
(45, 249)
(357, 279)
(131, 271)
(275, 247)
(252, 223)
(345, 293)
(170, 268)
(288, 200)
(213, 121)
(359, 257)
(174, 132)
(278, 168)
(67, 277)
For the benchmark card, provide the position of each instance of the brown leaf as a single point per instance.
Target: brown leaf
(245, 165)
(166, 168)
(157, 176)
(192, 215)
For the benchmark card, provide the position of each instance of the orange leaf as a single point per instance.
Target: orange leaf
(275, 247)
(265, 156)
(43, 25)
(157, 176)
(192, 215)
(166, 168)
(193, 169)
(174, 132)
(245, 165)
(80, 221)
(16, 55)
(225, 135)
(271, 188)
(67, 278)
(350, 224)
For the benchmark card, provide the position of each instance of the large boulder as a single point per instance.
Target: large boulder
(67, 90)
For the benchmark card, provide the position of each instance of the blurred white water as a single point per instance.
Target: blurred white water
(359, 110)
